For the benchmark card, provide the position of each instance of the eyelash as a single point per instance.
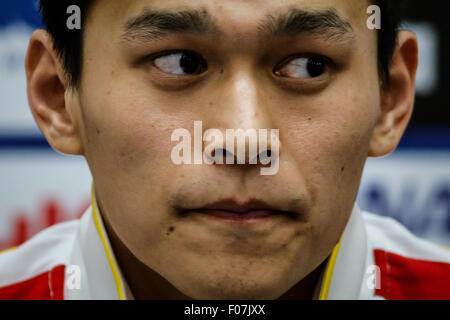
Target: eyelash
(155, 56)
(325, 60)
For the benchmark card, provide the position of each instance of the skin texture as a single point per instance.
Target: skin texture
(122, 115)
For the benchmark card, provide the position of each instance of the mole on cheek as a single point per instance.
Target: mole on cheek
(170, 230)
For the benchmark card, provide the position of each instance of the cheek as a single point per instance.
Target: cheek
(331, 134)
(128, 151)
(329, 139)
(125, 131)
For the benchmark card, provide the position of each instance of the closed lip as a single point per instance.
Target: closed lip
(231, 209)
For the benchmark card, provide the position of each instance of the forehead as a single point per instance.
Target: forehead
(231, 16)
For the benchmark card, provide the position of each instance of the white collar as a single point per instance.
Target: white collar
(347, 265)
(101, 277)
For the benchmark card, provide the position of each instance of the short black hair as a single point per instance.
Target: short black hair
(69, 43)
(392, 15)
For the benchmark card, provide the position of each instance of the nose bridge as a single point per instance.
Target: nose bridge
(242, 101)
(244, 120)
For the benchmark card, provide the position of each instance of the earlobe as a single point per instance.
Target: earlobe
(397, 99)
(47, 88)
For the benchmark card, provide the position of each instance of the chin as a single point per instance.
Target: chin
(233, 294)
(235, 288)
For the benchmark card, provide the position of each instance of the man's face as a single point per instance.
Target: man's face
(236, 64)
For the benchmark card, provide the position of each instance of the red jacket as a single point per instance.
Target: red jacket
(377, 258)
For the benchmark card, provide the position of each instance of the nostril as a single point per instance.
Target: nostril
(265, 154)
(223, 154)
(219, 152)
(265, 157)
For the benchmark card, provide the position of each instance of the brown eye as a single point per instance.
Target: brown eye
(303, 68)
(180, 63)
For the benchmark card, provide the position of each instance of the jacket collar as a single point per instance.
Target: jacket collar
(101, 277)
(345, 272)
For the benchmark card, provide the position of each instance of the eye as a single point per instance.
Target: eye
(302, 67)
(180, 63)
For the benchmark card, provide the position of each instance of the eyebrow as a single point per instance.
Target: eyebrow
(325, 23)
(153, 24)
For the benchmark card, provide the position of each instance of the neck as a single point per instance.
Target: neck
(308, 288)
(142, 281)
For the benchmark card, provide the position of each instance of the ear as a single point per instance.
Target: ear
(48, 93)
(397, 100)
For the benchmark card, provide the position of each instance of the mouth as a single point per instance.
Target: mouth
(250, 212)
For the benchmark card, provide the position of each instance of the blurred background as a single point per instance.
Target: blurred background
(39, 187)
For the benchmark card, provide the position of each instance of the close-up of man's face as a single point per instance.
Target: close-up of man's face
(308, 68)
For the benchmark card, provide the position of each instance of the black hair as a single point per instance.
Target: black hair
(69, 43)
(392, 12)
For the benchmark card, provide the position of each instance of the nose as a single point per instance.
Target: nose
(241, 147)
(243, 119)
